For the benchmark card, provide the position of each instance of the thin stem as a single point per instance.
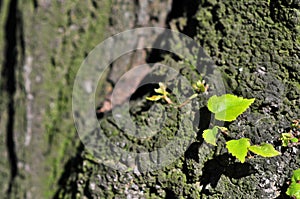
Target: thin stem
(188, 100)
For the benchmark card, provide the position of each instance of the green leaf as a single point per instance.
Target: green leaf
(200, 86)
(159, 91)
(285, 142)
(228, 107)
(294, 140)
(162, 89)
(154, 97)
(285, 138)
(264, 150)
(294, 190)
(210, 135)
(238, 148)
(296, 176)
(222, 128)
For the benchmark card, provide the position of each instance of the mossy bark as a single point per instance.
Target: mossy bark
(43, 43)
(254, 44)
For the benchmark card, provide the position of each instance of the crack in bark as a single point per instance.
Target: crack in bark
(35, 4)
(8, 75)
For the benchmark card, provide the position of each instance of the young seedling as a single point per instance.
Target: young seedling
(288, 139)
(201, 86)
(292, 138)
(294, 188)
(240, 148)
(227, 108)
(210, 135)
(162, 94)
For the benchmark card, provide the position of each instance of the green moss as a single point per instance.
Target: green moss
(60, 47)
(257, 54)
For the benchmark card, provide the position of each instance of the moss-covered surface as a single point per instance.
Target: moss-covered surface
(54, 36)
(58, 38)
(255, 45)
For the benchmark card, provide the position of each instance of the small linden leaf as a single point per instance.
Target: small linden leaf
(294, 190)
(285, 142)
(200, 86)
(159, 90)
(264, 150)
(162, 89)
(223, 129)
(238, 148)
(294, 140)
(296, 176)
(162, 86)
(228, 107)
(210, 135)
(154, 97)
(285, 138)
(286, 135)
(199, 83)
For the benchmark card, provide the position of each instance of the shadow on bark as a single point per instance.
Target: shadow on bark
(72, 167)
(222, 165)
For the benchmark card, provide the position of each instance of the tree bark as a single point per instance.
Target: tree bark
(255, 46)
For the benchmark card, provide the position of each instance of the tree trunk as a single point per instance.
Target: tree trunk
(254, 47)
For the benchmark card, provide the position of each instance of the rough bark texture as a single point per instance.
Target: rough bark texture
(254, 44)
(43, 44)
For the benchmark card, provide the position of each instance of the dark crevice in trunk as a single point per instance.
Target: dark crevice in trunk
(35, 4)
(11, 146)
(9, 85)
(179, 9)
(186, 9)
(72, 167)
